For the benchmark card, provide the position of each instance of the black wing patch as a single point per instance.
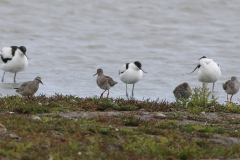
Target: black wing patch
(14, 48)
(5, 59)
(127, 65)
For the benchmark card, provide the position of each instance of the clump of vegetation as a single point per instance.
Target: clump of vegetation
(200, 101)
(181, 132)
(66, 103)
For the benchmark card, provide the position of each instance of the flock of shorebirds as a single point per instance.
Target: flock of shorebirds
(14, 60)
(208, 72)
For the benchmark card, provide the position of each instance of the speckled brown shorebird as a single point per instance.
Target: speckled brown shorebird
(104, 82)
(29, 88)
(182, 91)
(231, 87)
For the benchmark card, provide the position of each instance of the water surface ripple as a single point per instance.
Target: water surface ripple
(68, 40)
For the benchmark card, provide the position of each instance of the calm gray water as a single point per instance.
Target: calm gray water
(68, 40)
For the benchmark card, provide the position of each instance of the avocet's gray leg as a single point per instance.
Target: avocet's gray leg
(14, 79)
(132, 90)
(126, 91)
(3, 77)
(213, 86)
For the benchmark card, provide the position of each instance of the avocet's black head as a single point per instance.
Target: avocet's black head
(24, 50)
(202, 57)
(139, 65)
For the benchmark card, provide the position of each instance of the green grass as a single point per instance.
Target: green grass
(64, 138)
(123, 136)
(198, 102)
(61, 103)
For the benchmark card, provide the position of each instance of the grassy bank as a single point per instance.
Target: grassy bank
(197, 128)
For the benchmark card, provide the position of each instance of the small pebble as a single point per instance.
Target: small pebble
(160, 115)
(51, 157)
(35, 117)
(113, 128)
(73, 100)
(13, 136)
(2, 128)
(202, 113)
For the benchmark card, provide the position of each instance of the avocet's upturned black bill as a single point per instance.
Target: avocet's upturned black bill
(14, 60)
(196, 68)
(209, 71)
(131, 73)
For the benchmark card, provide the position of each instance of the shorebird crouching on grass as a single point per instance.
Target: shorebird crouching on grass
(104, 82)
(182, 91)
(29, 88)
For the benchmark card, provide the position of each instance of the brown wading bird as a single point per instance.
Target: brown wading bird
(182, 91)
(104, 82)
(231, 87)
(29, 88)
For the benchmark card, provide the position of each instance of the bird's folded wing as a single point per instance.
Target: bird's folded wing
(23, 86)
(110, 81)
(123, 68)
(225, 85)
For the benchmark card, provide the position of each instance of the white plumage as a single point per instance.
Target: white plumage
(13, 59)
(209, 71)
(131, 73)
